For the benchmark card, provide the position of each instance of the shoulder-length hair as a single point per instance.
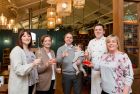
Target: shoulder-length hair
(43, 38)
(116, 38)
(19, 41)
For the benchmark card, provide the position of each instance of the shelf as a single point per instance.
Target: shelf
(130, 46)
(131, 41)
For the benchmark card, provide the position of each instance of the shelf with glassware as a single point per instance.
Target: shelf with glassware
(131, 42)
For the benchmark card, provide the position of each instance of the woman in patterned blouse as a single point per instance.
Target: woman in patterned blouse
(116, 69)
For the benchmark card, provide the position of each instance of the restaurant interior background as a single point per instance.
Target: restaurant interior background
(57, 18)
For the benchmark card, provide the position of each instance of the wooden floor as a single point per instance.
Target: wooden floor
(87, 84)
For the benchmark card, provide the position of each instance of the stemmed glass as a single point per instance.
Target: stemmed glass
(51, 58)
(58, 68)
(86, 61)
(39, 54)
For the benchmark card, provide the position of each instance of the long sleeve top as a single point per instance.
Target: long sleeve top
(45, 71)
(33, 75)
(19, 72)
(116, 72)
(96, 48)
(67, 62)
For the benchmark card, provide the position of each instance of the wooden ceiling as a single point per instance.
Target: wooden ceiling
(19, 9)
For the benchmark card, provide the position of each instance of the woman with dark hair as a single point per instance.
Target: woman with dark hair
(23, 73)
(46, 70)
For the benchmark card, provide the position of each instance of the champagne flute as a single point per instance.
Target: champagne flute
(51, 58)
(86, 61)
(58, 68)
(39, 54)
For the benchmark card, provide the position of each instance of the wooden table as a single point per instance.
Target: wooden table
(4, 89)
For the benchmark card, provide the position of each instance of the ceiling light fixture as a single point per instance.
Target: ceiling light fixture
(5, 23)
(79, 4)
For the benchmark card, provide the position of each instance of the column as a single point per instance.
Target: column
(118, 20)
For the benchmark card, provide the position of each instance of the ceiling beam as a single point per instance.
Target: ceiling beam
(29, 4)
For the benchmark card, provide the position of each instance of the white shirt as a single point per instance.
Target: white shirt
(96, 48)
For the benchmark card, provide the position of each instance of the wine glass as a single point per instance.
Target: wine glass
(86, 61)
(39, 54)
(51, 58)
(58, 69)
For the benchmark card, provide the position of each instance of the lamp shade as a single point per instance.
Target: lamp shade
(83, 31)
(51, 12)
(78, 3)
(58, 20)
(51, 23)
(3, 20)
(12, 21)
(130, 18)
(51, 1)
(64, 7)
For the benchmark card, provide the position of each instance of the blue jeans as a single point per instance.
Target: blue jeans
(69, 81)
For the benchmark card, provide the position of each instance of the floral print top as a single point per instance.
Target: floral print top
(116, 72)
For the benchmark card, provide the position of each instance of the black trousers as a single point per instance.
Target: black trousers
(50, 91)
(31, 89)
(104, 92)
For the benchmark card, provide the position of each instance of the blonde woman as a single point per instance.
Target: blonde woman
(116, 69)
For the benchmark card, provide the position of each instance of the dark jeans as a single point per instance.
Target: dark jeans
(31, 89)
(50, 91)
(69, 81)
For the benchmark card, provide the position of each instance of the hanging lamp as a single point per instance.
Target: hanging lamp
(79, 4)
(64, 7)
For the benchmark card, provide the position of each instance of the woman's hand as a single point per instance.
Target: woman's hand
(36, 62)
(52, 61)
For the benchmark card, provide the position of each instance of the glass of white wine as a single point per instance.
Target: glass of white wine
(39, 54)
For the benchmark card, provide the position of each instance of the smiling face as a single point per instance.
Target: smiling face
(26, 39)
(99, 31)
(47, 42)
(68, 39)
(112, 44)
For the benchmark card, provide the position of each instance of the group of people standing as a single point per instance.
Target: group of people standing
(112, 71)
